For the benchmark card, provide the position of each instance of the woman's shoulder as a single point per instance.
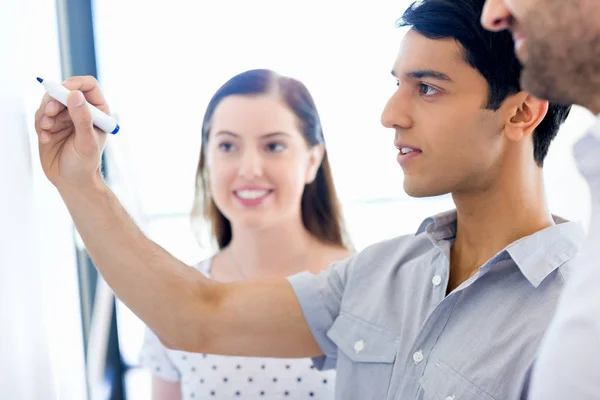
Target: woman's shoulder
(331, 254)
(337, 252)
(337, 255)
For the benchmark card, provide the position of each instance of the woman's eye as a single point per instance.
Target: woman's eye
(226, 147)
(276, 147)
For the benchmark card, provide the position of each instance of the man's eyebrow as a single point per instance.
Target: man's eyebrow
(425, 73)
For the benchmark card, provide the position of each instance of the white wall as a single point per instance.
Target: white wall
(41, 348)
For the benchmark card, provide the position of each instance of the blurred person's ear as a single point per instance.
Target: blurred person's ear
(315, 158)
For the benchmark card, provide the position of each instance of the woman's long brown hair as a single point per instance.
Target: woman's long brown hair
(321, 211)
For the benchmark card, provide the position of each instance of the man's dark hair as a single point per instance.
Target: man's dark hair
(491, 53)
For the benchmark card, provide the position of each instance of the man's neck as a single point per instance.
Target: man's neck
(490, 220)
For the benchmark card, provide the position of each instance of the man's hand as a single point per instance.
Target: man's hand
(70, 147)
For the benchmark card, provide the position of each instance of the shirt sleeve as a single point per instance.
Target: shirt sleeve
(154, 356)
(587, 157)
(569, 359)
(320, 297)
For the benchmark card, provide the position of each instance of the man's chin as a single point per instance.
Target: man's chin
(537, 84)
(422, 192)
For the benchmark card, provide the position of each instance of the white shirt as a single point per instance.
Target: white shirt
(568, 366)
(207, 376)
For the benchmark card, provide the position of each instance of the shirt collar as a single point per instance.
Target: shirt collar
(535, 255)
(539, 254)
(439, 227)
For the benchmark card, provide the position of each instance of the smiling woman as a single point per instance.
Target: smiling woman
(263, 149)
(264, 183)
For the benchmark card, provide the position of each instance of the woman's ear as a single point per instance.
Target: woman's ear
(315, 158)
(524, 114)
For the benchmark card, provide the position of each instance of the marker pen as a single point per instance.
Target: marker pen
(101, 120)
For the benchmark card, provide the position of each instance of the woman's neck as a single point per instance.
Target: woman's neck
(279, 250)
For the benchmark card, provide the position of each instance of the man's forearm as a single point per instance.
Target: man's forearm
(165, 293)
(186, 310)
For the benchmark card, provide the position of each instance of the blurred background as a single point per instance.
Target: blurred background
(62, 335)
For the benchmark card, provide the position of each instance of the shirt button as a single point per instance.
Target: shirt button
(437, 280)
(449, 398)
(418, 357)
(359, 346)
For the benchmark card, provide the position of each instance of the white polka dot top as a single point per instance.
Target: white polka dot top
(206, 376)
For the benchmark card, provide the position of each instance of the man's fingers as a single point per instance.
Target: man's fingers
(44, 137)
(50, 106)
(86, 142)
(89, 86)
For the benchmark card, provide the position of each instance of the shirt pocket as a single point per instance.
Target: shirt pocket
(442, 382)
(366, 355)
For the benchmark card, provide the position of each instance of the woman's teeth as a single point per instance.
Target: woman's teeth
(251, 194)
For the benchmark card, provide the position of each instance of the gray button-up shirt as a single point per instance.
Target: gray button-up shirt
(383, 318)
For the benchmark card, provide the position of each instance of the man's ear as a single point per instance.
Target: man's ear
(523, 115)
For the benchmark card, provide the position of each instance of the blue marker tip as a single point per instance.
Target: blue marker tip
(40, 80)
